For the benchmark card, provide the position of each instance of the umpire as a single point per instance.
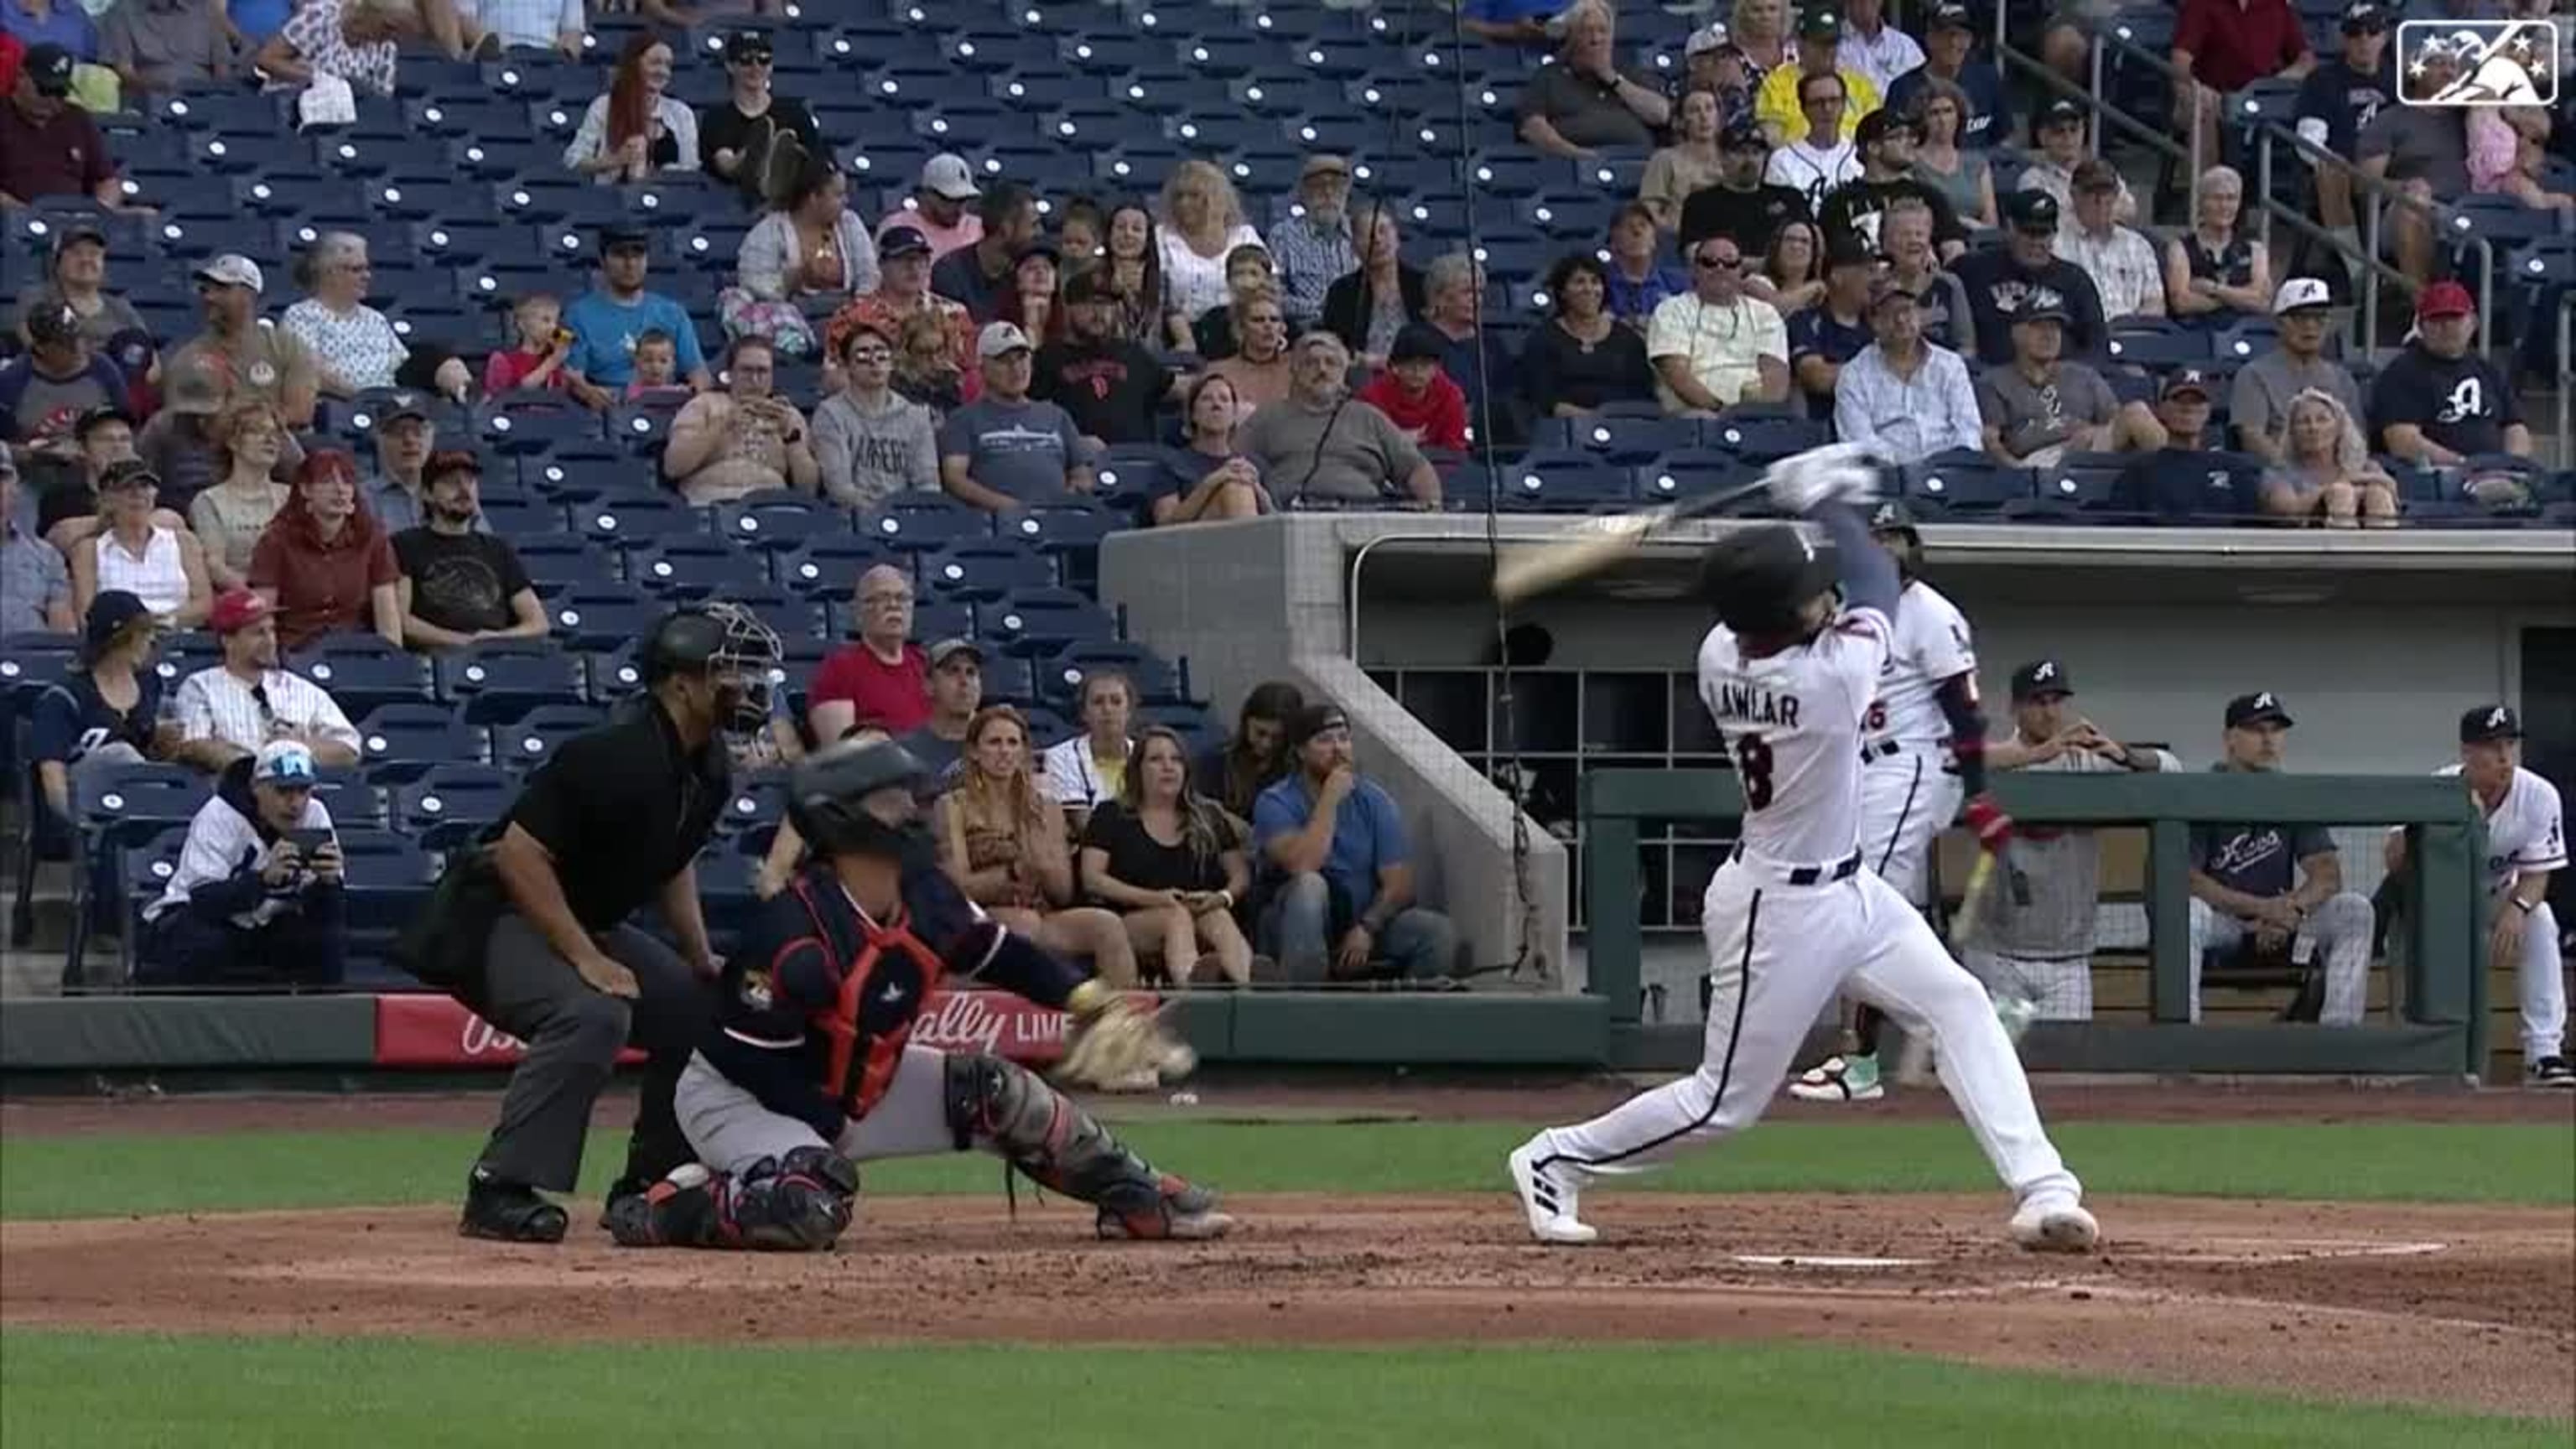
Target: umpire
(529, 927)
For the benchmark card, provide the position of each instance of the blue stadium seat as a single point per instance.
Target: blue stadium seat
(1761, 439)
(1692, 473)
(986, 569)
(2078, 483)
(696, 567)
(525, 425)
(1059, 680)
(399, 741)
(1962, 482)
(1565, 482)
(592, 617)
(362, 671)
(1625, 441)
(1042, 623)
(527, 742)
(504, 679)
(558, 561)
(633, 519)
(780, 520)
(2162, 347)
(1129, 475)
(924, 522)
(829, 565)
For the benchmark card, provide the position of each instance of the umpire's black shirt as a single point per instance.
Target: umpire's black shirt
(622, 808)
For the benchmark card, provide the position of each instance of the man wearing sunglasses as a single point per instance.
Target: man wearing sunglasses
(1713, 346)
(754, 137)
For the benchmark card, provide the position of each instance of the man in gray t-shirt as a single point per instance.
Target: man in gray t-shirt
(2037, 408)
(2258, 405)
(1002, 450)
(1317, 446)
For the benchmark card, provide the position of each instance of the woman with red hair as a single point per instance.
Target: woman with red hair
(323, 563)
(639, 129)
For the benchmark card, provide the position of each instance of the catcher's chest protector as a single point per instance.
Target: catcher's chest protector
(852, 991)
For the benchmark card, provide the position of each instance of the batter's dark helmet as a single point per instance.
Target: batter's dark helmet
(1757, 580)
(826, 791)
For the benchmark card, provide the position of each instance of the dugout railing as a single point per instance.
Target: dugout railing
(2440, 1024)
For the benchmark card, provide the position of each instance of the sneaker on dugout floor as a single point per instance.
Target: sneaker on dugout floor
(2553, 1072)
(1840, 1079)
(1548, 1196)
(2055, 1224)
(2016, 1012)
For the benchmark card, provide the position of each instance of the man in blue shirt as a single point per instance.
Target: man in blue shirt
(1339, 870)
(1947, 42)
(2276, 890)
(606, 320)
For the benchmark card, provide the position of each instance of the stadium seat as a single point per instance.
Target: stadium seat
(982, 570)
(924, 522)
(362, 671)
(527, 742)
(679, 567)
(1764, 439)
(400, 741)
(596, 617)
(1059, 680)
(829, 566)
(1042, 623)
(504, 679)
(635, 519)
(450, 804)
(1961, 482)
(780, 519)
(1692, 473)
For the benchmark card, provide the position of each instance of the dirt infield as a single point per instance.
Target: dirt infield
(2467, 1306)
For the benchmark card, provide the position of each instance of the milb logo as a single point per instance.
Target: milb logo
(2478, 63)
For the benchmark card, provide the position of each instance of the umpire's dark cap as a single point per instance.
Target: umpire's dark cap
(2489, 723)
(2041, 679)
(1758, 579)
(2263, 707)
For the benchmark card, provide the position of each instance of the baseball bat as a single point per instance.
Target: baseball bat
(1597, 544)
(1972, 901)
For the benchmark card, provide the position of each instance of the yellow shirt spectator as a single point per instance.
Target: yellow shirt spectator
(1776, 104)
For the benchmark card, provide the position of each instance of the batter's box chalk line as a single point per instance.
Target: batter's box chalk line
(2274, 1250)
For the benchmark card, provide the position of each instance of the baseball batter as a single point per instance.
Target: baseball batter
(809, 1070)
(1794, 916)
(2526, 841)
(1925, 716)
(2034, 942)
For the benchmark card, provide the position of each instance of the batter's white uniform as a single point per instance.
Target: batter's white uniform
(2527, 835)
(1908, 794)
(1793, 918)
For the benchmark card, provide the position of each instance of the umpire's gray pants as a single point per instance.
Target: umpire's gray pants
(573, 1032)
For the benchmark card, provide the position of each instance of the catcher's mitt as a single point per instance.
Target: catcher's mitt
(1110, 1044)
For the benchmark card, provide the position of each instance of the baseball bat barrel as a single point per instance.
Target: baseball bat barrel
(1596, 545)
(1972, 901)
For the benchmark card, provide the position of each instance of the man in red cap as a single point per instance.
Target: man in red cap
(2438, 403)
(230, 710)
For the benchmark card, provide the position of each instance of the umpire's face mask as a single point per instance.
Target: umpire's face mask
(741, 700)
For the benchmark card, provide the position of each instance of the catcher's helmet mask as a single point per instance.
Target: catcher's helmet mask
(728, 645)
(864, 797)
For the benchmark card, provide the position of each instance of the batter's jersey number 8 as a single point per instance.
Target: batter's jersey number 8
(1753, 769)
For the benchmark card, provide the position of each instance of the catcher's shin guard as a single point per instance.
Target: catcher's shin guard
(997, 1104)
(800, 1203)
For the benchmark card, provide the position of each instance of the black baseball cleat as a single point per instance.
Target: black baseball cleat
(508, 1212)
(618, 1192)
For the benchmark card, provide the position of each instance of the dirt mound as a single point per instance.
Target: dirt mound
(2466, 1306)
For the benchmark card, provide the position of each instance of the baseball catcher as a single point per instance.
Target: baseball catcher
(808, 1068)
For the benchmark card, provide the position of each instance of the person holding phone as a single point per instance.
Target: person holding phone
(256, 899)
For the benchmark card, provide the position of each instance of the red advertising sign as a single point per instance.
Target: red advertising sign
(436, 1031)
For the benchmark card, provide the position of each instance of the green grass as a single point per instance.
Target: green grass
(77, 1176)
(100, 1390)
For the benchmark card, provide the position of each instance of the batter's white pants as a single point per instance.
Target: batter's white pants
(730, 1130)
(1777, 954)
(2340, 925)
(1906, 799)
(2058, 988)
(2544, 986)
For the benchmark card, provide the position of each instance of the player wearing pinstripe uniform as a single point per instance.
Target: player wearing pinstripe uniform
(2034, 941)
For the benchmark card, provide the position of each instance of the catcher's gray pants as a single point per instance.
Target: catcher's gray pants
(573, 1033)
(2340, 926)
(730, 1130)
(2058, 988)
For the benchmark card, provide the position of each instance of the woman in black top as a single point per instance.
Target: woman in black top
(1583, 360)
(2214, 273)
(1171, 863)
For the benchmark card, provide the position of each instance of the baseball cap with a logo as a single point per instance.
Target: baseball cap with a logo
(1712, 36)
(2186, 381)
(947, 175)
(233, 270)
(2301, 294)
(2364, 17)
(2041, 679)
(1000, 339)
(49, 69)
(235, 610)
(1951, 15)
(2031, 211)
(2489, 723)
(947, 649)
(902, 241)
(2263, 707)
(287, 764)
(52, 322)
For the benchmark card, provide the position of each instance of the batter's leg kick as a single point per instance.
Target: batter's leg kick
(1779, 953)
(759, 1166)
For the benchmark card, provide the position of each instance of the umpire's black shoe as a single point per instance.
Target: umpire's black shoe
(509, 1212)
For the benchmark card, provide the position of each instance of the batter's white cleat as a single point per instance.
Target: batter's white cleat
(1839, 1079)
(1548, 1196)
(2055, 1224)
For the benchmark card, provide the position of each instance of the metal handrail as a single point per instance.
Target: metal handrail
(2381, 193)
(2174, 76)
(2566, 372)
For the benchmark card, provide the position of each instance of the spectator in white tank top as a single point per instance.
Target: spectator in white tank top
(165, 567)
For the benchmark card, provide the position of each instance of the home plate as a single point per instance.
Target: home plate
(1766, 1260)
